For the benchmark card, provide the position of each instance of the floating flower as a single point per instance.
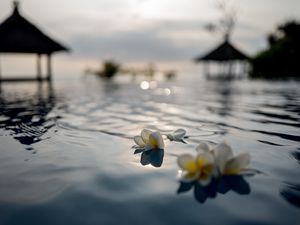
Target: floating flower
(177, 135)
(226, 162)
(214, 170)
(200, 168)
(149, 140)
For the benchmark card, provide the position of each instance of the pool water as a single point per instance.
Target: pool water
(66, 152)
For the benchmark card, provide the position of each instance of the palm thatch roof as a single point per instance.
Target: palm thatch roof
(224, 52)
(18, 35)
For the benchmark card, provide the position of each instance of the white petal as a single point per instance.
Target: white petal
(179, 134)
(139, 141)
(145, 134)
(202, 147)
(236, 164)
(183, 159)
(156, 140)
(207, 157)
(188, 177)
(210, 158)
(222, 153)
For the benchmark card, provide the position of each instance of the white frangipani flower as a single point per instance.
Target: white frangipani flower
(149, 140)
(200, 168)
(226, 162)
(177, 135)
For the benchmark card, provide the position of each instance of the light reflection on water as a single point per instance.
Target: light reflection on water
(80, 132)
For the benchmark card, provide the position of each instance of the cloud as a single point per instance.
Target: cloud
(156, 40)
(146, 41)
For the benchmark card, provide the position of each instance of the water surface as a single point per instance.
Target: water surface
(66, 155)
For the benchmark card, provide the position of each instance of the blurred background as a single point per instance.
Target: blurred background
(137, 32)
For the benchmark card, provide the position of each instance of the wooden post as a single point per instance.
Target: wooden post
(206, 69)
(38, 68)
(246, 68)
(230, 75)
(0, 70)
(49, 69)
(222, 68)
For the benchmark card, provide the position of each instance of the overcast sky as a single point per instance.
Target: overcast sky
(142, 31)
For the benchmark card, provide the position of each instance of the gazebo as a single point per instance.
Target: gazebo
(225, 54)
(18, 35)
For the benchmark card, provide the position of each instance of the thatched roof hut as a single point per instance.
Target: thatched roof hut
(18, 35)
(225, 54)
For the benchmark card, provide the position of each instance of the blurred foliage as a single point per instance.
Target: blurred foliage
(109, 69)
(281, 59)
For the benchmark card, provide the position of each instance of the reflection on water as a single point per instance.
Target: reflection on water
(291, 193)
(226, 183)
(224, 90)
(26, 119)
(296, 155)
(153, 157)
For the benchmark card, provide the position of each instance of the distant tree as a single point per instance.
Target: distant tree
(226, 24)
(109, 69)
(281, 58)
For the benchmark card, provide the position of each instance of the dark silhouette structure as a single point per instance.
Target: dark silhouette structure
(18, 35)
(225, 54)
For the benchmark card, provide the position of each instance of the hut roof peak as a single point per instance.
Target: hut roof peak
(18, 35)
(16, 6)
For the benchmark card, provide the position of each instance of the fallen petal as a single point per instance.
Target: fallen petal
(170, 137)
(179, 134)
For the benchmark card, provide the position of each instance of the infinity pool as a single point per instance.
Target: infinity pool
(66, 152)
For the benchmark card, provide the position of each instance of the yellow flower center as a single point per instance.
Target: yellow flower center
(206, 171)
(191, 167)
(201, 162)
(199, 166)
(153, 142)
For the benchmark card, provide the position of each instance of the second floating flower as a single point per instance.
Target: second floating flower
(151, 144)
(149, 140)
